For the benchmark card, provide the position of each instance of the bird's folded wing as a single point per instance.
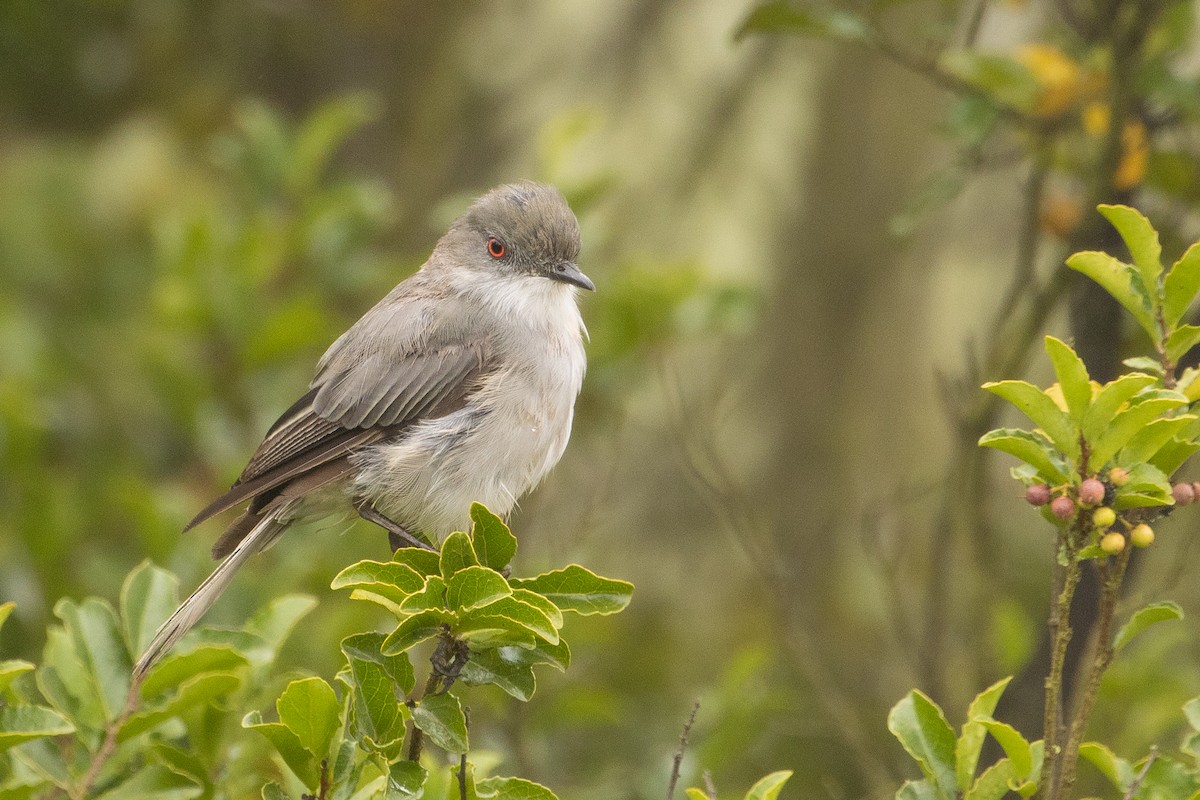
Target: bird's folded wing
(354, 403)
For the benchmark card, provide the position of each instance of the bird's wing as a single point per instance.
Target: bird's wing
(369, 385)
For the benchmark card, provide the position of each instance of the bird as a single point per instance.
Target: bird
(459, 386)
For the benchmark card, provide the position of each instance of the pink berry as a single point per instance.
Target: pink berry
(1091, 492)
(1183, 493)
(1062, 507)
(1038, 494)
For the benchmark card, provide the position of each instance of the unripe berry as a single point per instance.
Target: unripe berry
(1184, 494)
(1142, 535)
(1091, 492)
(1112, 543)
(1038, 494)
(1196, 488)
(1062, 507)
(1118, 476)
(1103, 517)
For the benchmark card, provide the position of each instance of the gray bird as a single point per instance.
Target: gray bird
(459, 386)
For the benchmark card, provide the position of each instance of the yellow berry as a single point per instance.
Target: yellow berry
(1142, 535)
(1112, 543)
(1118, 476)
(1103, 517)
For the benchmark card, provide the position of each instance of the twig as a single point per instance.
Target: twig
(679, 753)
(709, 787)
(110, 740)
(462, 761)
(1141, 776)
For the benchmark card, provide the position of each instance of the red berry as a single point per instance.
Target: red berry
(1091, 492)
(1183, 493)
(1038, 494)
(1062, 507)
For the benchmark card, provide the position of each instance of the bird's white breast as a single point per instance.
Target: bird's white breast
(511, 432)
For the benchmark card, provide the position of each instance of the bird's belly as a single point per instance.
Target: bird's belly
(492, 451)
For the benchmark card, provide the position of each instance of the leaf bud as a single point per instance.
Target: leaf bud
(1112, 543)
(1091, 492)
(1062, 507)
(1103, 517)
(1037, 494)
(1142, 535)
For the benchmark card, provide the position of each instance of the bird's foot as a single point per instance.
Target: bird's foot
(398, 535)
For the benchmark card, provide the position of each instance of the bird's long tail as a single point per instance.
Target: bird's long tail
(265, 531)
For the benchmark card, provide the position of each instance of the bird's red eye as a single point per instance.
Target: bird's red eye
(496, 248)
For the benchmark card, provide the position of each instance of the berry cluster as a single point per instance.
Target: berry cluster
(1094, 493)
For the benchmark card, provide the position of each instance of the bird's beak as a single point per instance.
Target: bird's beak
(567, 272)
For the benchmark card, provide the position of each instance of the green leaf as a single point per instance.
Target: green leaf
(1172, 455)
(1072, 377)
(1045, 413)
(12, 669)
(1140, 238)
(431, 597)
(5, 610)
(922, 729)
(1182, 339)
(440, 717)
(20, 724)
(1117, 770)
(970, 742)
(406, 779)
(154, 782)
(784, 17)
(457, 553)
(273, 791)
(310, 709)
(541, 603)
(377, 710)
(1150, 439)
(274, 622)
(197, 690)
(97, 640)
(299, 760)
(388, 579)
(1181, 285)
(415, 630)
(493, 541)
(512, 789)
(472, 587)
(769, 786)
(1031, 447)
(1109, 400)
(1191, 710)
(63, 679)
(919, 790)
(509, 609)
(504, 667)
(580, 590)
(1122, 282)
(692, 793)
(1145, 617)
(148, 596)
(177, 668)
(1013, 743)
(425, 562)
(1144, 408)
(994, 783)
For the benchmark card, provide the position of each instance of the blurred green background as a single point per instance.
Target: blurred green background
(800, 251)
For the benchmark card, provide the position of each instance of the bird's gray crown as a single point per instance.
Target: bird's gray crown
(531, 220)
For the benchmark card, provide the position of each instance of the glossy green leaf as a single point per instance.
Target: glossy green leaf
(472, 587)
(299, 760)
(1108, 402)
(310, 709)
(377, 709)
(432, 596)
(389, 579)
(1072, 376)
(993, 783)
(1181, 340)
(785, 17)
(273, 791)
(692, 793)
(1141, 240)
(1121, 281)
(275, 621)
(920, 790)
(1127, 500)
(1149, 406)
(922, 729)
(1118, 771)
(1019, 753)
(1150, 439)
(148, 596)
(441, 718)
(5, 610)
(1172, 455)
(1143, 618)
(195, 691)
(12, 669)
(504, 667)
(20, 724)
(970, 741)
(493, 542)
(1045, 413)
(414, 630)
(769, 786)
(176, 668)
(511, 789)
(1181, 285)
(1031, 447)
(154, 782)
(515, 611)
(96, 636)
(542, 603)
(406, 779)
(579, 590)
(457, 553)
(425, 562)
(64, 680)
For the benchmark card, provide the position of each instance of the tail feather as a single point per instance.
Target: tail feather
(200, 601)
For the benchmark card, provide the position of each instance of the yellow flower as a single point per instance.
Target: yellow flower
(1058, 76)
